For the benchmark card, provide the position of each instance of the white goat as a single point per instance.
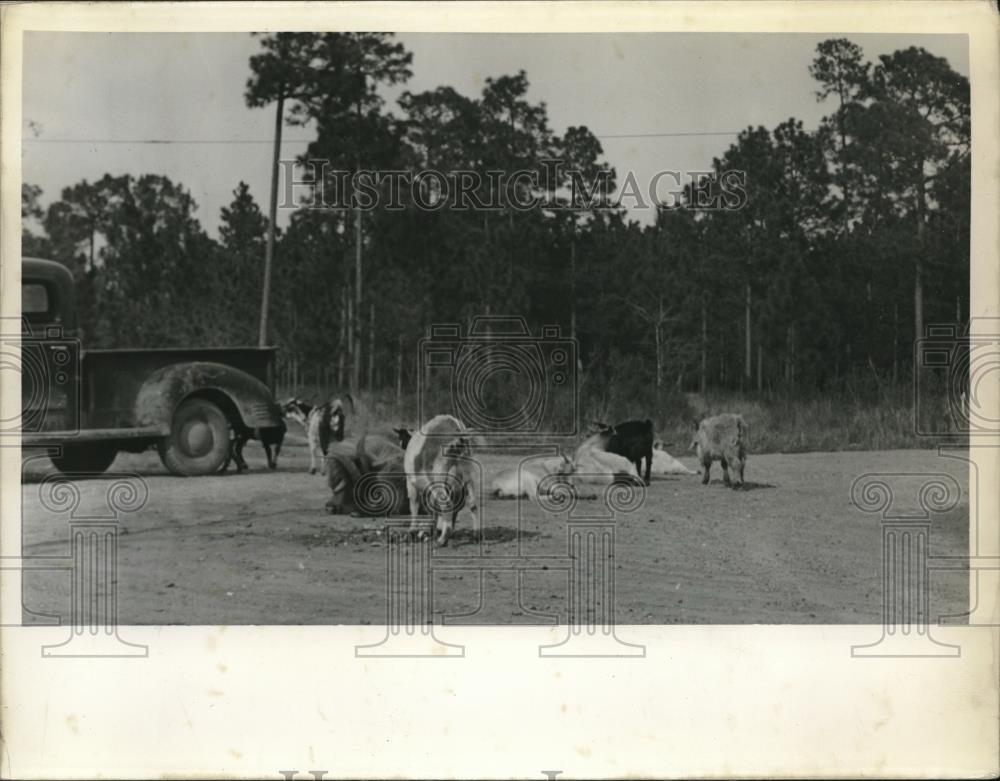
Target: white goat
(526, 479)
(666, 464)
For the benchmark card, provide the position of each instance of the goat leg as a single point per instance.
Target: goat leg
(412, 494)
(445, 529)
(236, 450)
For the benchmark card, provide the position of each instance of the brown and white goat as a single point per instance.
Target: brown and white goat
(440, 474)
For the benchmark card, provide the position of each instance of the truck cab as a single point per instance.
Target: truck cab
(50, 349)
(85, 406)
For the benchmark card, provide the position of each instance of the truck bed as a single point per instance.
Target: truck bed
(112, 377)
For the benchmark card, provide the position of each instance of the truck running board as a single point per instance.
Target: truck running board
(40, 438)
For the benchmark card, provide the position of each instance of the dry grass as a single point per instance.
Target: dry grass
(778, 424)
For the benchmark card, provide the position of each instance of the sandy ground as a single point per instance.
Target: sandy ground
(258, 548)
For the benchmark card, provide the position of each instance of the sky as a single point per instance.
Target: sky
(84, 90)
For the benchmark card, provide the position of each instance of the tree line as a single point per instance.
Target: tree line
(850, 239)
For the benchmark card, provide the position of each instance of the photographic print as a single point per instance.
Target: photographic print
(413, 332)
(590, 287)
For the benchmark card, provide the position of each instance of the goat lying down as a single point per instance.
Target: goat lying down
(528, 479)
(366, 478)
(440, 474)
(666, 464)
(590, 465)
(596, 466)
(632, 439)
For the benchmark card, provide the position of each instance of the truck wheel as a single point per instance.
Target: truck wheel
(92, 458)
(198, 443)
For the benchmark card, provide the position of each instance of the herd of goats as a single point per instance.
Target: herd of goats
(432, 472)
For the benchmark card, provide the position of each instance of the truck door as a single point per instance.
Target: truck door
(49, 361)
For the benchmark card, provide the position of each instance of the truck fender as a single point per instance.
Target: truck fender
(245, 400)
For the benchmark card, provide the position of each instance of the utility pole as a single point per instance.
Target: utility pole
(265, 302)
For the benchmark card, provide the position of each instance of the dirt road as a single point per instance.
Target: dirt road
(258, 548)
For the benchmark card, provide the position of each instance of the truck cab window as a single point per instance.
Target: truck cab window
(34, 298)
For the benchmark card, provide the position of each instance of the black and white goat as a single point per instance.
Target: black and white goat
(323, 424)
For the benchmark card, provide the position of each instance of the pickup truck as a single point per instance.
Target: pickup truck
(85, 407)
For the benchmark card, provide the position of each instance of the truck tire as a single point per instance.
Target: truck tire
(85, 458)
(198, 443)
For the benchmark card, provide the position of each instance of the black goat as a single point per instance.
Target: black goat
(633, 440)
(272, 437)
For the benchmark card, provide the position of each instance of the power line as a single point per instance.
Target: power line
(159, 141)
(208, 141)
(674, 135)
